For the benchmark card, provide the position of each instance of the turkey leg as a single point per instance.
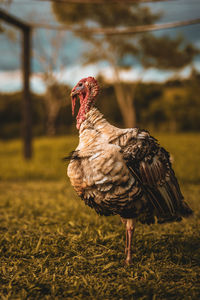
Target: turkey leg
(124, 221)
(130, 227)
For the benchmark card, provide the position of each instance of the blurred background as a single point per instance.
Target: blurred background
(149, 75)
(146, 57)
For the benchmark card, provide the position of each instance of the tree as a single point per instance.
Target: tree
(52, 61)
(122, 52)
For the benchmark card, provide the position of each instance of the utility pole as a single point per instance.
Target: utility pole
(26, 69)
(26, 106)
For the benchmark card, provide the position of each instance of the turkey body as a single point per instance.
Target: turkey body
(125, 172)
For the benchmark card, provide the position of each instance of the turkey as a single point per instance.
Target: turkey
(121, 172)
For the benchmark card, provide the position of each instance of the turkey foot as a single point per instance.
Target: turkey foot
(130, 227)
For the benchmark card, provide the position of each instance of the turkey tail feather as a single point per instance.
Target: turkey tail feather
(166, 199)
(149, 193)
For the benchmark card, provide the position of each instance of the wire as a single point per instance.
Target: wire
(100, 31)
(91, 2)
(103, 1)
(120, 31)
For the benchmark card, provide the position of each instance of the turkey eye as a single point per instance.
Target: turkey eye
(80, 84)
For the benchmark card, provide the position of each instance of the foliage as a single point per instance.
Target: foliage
(176, 110)
(166, 53)
(11, 113)
(54, 99)
(124, 51)
(173, 106)
(54, 247)
(104, 14)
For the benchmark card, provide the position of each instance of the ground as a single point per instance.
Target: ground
(54, 247)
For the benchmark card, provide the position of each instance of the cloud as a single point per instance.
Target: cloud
(11, 81)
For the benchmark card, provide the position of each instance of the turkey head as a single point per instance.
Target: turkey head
(86, 90)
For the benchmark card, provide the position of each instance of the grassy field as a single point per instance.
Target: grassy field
(54, 247)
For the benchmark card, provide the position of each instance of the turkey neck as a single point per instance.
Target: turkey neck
(95, 125)
(96, 121)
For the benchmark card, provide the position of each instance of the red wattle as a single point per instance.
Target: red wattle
(73, 104)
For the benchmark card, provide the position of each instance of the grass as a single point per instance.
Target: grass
(54, 247)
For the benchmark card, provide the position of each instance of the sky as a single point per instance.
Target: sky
(38, 12)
